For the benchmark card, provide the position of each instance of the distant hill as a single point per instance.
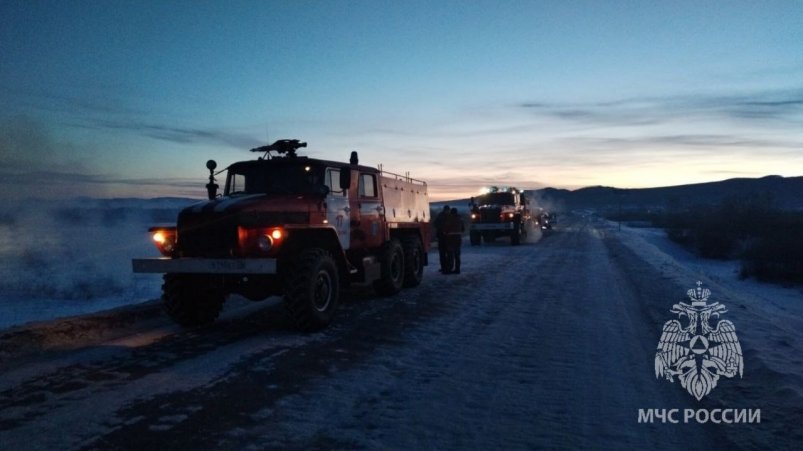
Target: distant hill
(785, 192)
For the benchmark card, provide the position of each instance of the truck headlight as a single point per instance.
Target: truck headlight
(264, 243)
(165, 239)
(263, 240)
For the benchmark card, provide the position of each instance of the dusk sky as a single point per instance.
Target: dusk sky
(130, 98)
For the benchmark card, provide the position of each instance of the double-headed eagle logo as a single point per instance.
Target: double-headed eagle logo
(697, 354)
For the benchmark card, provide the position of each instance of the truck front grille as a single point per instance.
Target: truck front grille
(207, 239)
(490, 214)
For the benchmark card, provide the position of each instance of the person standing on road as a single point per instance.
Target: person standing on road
(454, 240)
(440, 233)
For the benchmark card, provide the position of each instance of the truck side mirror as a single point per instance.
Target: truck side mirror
(345, 179)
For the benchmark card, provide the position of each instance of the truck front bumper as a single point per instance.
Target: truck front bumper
(492, 226)
(205, 265)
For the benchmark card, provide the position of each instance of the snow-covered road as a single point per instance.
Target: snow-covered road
(546, 345)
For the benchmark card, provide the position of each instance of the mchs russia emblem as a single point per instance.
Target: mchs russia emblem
(698, 354)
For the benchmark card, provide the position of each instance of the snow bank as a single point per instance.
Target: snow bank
(783, 304)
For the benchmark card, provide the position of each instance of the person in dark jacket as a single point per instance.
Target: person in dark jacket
(454, 229)
(440, 224)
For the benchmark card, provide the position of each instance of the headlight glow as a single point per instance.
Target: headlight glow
(165, 240)
(264, 240)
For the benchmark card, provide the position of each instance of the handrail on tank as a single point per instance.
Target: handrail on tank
(403, 178)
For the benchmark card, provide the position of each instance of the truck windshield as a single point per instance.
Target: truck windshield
(496, 199)
(274, 179)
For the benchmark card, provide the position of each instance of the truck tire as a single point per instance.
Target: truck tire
(391, 260)
(413, 261)
(475, 238)
(192, 299)
(312, 290)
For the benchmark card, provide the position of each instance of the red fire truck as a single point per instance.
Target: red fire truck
(499, 211)
(293, 226)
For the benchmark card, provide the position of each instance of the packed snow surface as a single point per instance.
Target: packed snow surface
(546, 345)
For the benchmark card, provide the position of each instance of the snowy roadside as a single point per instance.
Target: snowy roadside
(781, 306)
(768, 320)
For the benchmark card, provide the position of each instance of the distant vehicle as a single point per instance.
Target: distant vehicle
(500, 212)
(547, 220)
(293, 226)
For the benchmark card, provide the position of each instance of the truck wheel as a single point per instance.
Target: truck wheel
(475, 238)
(392, 262)
(313, 290)
(192, 299)
(413, 261)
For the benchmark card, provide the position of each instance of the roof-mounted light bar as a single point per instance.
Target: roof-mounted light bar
(497, 189)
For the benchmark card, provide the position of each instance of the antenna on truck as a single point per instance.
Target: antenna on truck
(282, 146)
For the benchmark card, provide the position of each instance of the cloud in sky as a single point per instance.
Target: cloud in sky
(109, 109)
(781, 106)
(181, 135)
(35, 164)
